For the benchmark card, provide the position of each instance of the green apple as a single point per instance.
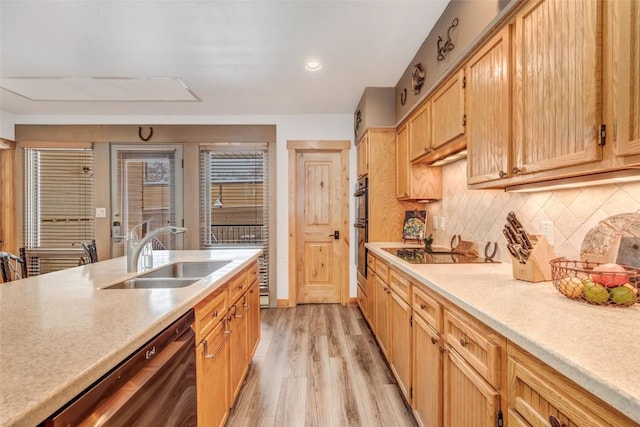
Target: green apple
(623, 295)
(596, 293)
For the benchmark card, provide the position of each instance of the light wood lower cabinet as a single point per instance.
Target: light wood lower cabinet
(400, 342)
(238, 345)
(427, 374)
(540, 396)
(383, 304)
(212, 372)
(226, 339)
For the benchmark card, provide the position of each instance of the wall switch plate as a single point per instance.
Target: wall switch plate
(435, 222)
(546, 229)
(442, 223)
(101, 212)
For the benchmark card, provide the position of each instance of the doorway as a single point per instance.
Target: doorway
(318, 222)
(146, 194)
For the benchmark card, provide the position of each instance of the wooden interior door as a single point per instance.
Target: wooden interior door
(318, 218)
(7, 197)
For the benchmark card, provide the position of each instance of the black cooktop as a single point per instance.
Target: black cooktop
(420, 256)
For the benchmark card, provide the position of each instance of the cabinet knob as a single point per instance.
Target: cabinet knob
(463, 341)
(434, 340)
(442, 349)
(423, 306)
(214, 313)
(516, 170)
(502, 174)
(555, 422)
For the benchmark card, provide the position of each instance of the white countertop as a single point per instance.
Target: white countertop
(597, 347)
(60, 332)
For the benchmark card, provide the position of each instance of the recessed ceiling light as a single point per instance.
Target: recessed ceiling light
(312, 65)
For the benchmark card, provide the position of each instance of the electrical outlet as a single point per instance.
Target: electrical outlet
(546, 229)
(101, 212)
(442, 223)
(435, 222)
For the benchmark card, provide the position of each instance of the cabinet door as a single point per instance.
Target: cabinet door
(447, 112)
(626, 48)
(238, 346)
(363, 156)
(370, 291)
(402, 163)
(427, 374)
(468, 399)
(420, 132)
(212, 372)
(253, 313)
(557, 84)
(401, 343)
(382, 315)
(488, 97)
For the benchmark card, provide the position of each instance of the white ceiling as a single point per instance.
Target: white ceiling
(236, 57)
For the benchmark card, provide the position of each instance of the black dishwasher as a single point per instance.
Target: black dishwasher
(156, 386)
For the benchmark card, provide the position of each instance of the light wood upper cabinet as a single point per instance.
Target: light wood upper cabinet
(488, 98)
(419, 125)
(362, 152)
(447, 111)
(414, 182)
(626, 50)
(557, 105)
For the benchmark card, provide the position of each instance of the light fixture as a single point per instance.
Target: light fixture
(612, 177)
(450, 158)
(312, 65)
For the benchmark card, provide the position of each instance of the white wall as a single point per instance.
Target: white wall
(7, 121)
(288, 127)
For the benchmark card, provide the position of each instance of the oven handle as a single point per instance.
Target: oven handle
(360, 192)
(360, 225)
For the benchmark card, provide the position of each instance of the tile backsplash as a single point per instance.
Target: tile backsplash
(479, 215)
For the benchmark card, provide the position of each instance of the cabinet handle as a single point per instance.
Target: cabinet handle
(205, 345)
(442, 349)
(423, 306)
(214, 314)
(516, 170)
(502, 174)
(434, 340)
(463, 341)
(244, 301)
(555, 422)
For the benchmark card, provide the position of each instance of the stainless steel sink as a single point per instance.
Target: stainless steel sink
(154, 283)
(192, 269)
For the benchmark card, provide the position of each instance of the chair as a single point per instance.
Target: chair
(91, 251)
(13, 267)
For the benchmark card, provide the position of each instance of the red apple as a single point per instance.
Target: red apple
(599, 275)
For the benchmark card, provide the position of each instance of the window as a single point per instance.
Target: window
(234, 211)
(59, 206)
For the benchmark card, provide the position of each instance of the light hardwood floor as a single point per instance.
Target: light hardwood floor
(318, 365)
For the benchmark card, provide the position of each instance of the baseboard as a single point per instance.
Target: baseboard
(282, 303)
(353, 301)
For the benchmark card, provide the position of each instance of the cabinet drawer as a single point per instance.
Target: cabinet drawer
(478, 345)
(209, 312)
(537, 394)
(371, 261)
(237, 286)
(400, 284)
(427, 308)
(382, 270)
(252, 274)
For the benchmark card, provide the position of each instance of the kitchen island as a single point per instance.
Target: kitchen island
(62, 331)
(594, 346)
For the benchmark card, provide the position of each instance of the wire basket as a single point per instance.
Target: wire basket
(577, 280)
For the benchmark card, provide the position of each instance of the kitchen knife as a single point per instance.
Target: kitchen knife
(520, 232)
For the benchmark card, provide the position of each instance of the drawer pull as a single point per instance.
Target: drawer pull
(434, 340)
(463, 341)
(555, 422)
(205, 346)
(423, 306)
(214, 313)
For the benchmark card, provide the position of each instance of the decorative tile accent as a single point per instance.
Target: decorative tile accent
(479, 215)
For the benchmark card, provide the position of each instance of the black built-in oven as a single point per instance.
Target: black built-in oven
(361, 224)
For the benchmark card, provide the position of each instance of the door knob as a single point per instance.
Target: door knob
(335, 235)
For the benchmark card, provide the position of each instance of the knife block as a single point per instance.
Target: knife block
(537, 267)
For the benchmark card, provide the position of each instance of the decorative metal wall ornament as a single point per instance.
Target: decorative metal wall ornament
(403, 96)
(357, 119)
(444, 49)
(417, 78)
(145, 138)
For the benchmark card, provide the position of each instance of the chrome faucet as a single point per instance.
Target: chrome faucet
(135, 245)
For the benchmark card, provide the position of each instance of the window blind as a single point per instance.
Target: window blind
(234, 201)
(59, 204)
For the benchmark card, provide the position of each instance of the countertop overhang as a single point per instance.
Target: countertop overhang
(60, 332)
(596, 347)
